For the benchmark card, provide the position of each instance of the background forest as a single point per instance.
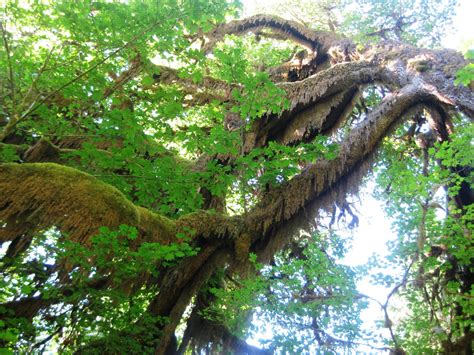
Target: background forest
(182, 177)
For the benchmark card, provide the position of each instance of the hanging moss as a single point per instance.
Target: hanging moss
(329, 82)
(209, 224)
(41, 195)
(311, 118)
(281, 204)
(242, 247)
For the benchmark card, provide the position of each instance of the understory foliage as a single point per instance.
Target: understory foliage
(175, 179)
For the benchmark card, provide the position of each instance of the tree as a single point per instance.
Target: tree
(162, 167)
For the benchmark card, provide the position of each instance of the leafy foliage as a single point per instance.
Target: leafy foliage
(418, 22)
(466, 75)
(305, 293)
(432, 246)
(88, 312)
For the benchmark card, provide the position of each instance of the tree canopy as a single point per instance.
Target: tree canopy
(172, 174)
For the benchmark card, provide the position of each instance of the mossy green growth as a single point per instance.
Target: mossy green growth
(210, 224)
(155, 228)
(419, 64)
(41, 195)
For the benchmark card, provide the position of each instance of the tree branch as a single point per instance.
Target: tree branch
(285, 210)
(199, 277)
(41, 195)
(10, 69)
(291, 30)
(37, 77)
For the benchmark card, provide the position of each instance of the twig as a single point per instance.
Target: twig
(385, 306)
(45, 340)
(10, 66)
(84, 73)
(33, 84)
(14, 121)
(345, 342)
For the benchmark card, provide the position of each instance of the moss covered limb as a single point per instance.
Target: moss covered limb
(26, 307)
(284, 29)
(283, 203)
(41, 151)
(35, 196)
(318, 104)
(209, 89)
(323, 118)
(40, 195)
(289, 209)
(439, 70)
(330, 81)
(211, 225)
(390, 65)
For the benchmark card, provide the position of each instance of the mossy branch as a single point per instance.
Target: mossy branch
(283, 203)
(35, 196)
(284, 29)
(41, 195)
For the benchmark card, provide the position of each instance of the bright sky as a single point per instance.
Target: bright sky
(462, 38)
